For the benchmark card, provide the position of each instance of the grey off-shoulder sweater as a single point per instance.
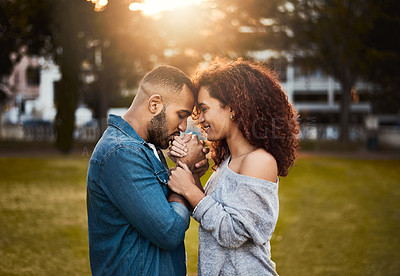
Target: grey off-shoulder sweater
(237, 218)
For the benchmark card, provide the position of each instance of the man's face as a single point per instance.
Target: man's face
(171, 120)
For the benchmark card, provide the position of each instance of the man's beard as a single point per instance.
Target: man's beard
(158, 130)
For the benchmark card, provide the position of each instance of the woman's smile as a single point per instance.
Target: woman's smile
(206, 127)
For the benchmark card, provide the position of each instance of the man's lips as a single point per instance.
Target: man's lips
(171, 137)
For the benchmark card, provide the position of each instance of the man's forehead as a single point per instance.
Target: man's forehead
(185, 99)
(182, 107)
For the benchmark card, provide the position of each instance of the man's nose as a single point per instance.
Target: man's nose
(182, 126)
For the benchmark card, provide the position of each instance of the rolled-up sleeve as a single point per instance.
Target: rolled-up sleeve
(131, 184)
(246, 212)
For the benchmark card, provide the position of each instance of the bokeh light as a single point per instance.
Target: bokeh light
(150, 7)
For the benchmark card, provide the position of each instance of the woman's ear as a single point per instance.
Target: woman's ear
(155, 104)
(231, 114)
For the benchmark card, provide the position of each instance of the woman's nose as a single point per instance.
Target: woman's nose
(201, 118)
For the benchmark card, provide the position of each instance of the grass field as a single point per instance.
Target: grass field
(337, 217)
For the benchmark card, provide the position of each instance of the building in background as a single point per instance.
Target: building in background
(30, 111)
(316, 97)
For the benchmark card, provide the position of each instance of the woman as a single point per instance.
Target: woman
(253, 133)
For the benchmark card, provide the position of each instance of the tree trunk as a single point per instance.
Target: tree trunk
(345, 112)
(65, 118)
(70, 58)
(103, 100)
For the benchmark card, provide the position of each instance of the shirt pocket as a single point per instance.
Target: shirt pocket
(162, 176)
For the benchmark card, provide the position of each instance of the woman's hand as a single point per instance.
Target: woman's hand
(190, 151)
(181, 181)
(178, 147)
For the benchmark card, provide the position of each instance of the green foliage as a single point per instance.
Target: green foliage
(328, 35)
(24, 29)
(383, 56)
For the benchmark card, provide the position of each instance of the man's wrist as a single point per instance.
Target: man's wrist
(187, 162)
(174, 197)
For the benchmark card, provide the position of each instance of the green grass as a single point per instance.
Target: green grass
(337, 217)
(43, 217)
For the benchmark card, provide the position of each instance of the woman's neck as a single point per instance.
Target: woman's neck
(238, 145)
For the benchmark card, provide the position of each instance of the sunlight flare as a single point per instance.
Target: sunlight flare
(152, 7)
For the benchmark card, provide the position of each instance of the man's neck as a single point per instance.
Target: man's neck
(138, 124)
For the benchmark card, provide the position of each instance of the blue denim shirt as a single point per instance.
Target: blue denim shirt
(133, 229)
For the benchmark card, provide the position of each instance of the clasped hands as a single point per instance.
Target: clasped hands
(189, 154)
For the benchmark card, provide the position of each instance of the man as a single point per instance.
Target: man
(136, 226)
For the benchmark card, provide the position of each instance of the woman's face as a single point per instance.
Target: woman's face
(214, 119)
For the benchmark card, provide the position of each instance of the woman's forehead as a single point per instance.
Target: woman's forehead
(204, 94)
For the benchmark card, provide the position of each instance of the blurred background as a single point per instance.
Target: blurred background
(65, 65)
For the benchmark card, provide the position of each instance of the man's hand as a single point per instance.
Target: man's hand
(194, 153)
(178, 147)
(172, 196)
(190, 151)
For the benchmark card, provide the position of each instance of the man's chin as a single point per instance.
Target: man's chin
(166, 142)
(164, 146)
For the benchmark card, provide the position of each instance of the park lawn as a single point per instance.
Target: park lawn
(337, 217)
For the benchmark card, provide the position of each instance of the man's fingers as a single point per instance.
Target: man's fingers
(201, 163)
(183, 166)
(175, 149)
(175, 154)
(179, 144)
(186, 137)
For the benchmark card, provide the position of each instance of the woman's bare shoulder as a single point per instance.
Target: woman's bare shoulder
(260, 164)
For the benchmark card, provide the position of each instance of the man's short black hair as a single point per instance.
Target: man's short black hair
(168, 76)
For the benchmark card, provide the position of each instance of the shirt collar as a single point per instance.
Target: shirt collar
(153, 147)
(125, 127)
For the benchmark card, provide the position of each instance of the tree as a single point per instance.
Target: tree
(24, 29)
(118, 46)
(72, 24)
(127, 42)
(383, 56)
(62, 30)
(46, 28)
(333, 35)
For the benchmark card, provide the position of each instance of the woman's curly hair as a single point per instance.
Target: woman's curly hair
(262, 110)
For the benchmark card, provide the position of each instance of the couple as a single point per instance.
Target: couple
(138, 211)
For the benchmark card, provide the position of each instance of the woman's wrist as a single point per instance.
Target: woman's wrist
(194, 195)
(198, 182)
